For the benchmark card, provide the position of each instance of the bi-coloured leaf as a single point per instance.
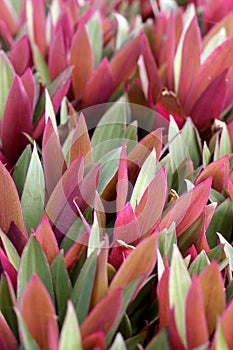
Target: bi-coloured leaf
(104, 315)
(53, 158)
(126, 227)
(139, 263)
(7, 74)
(26, 338)
(163, 299)
(82, 290)
(9, 202)
(33, 195)
(187, 208)
(179, 291)
(81, 57)
(36, 297)
(10, 250)
(160, 341)
(33, 262)
(214, 299)
(22, 46)
(57, 63)
(93, 340)
(70, 337)
(124, 63)
(46, 239)
(119, 343)
(7, 338)
(195, 319)
(225, 324)
(122, 180)
(95, 34)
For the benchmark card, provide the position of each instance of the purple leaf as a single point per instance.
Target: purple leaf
(21, 62)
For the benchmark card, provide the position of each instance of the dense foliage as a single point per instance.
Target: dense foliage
(116, 174)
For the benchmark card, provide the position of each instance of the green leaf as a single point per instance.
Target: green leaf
(94, 238)
(205, 155)
(81, 294)
(40, 64)
(168, 6)
(220, 339)
(132, 342)
(110, 131)
(161, 341)
(6, 78)
(225, 142)
(118, 343)
(228, 249)
(28, 342)
(33, 193)
(199, 264)
(131, 135)
(179, 284)
(11, 252)
(108, 169)
(70, 337)
(33, 261)
(64, 111)
(62, 286)
(217, 197)
(221, 222)
(122, 31)
(7, 305)
(167, 238)
(145, 176)
(21, 169)
(192, 142)
(95, 34)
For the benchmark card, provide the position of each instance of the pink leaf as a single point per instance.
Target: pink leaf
(21, 62)
(163, 299)
(38, 312)
(192, 56)
(81, 143)
(230, 189)
(7, 338)
(122, 182)
(99, 87)
(214, 298)
(9, 203)
(124, 63)
(218, 170)
(195, 320)
(170, 49)
(81, 58)
(203, 111)
(126, 226)
(47, 240)
(29, 86)
(175, 340)
(103, 317)
(94, 341)
(217, 62)
(39, 25)
(53, 158)
(74, 252)
(139, 263)
(17, 119)
(17, 237)
(8, 268)
(57, 63)
(187, 208)
(8, 18)
(148, 214)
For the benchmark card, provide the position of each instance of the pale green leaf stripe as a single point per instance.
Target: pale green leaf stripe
(214, 42)
(70, 335)
(33, 193)
(49, 111)
(118, 343)
(122, 30)
(95, 34)
(11, 252)
(28, 342)
(6, 78)
(179, 284)
(145, 176)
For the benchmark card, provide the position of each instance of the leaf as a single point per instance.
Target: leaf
(214, 299)
(187, 208)
(95, 35)
(178, 292)
(94, 237)
(122, 180)
(148, 215)
(32, 200)
(49, 112)
(81, 294)
(145, 176)
(163, 299)
(41, 65)
(219, 341)
(126, 226)
(62, 286)
(139, 263)
(221, 222)
(17, 119)
(21, 168)
(196, 326)
(47, 240)
(103, 317)
(228, 250)
(54, 163)
(215, 41)
(99, 87)
(28, 342)
(225, 324)
(124, 63)
(118, 343)
(57, 63)
(109, 133)
(10, 250)
(22, 46)
(33, 262)
(7, 74)
(81, 142)
(35, 297)
(81, 57)
(217, 62)
(70, 337)
(9, 202)
(7, 338)
(199, 264)
(160, 341)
